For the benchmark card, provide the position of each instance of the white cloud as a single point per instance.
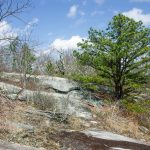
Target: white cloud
(138, 15)
(66, 44)
(6, 31)
(139, 0)
(100, 2)
(72, 11)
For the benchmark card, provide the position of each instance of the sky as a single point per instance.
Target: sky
(63, 23)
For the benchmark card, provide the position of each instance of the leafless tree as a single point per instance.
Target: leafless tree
(9, 8)
(60, 63)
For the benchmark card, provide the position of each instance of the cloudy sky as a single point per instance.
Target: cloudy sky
(63, 23)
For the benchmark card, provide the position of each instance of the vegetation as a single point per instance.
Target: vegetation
(49, 67)
(27, 59)
(22, 56)
(112, 64)
(120, 54)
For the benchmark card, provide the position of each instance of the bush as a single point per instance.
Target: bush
(89, 82)
(44, 102)
(139, 107)
(49, 68)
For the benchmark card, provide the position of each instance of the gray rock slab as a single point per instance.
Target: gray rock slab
(8, 88)
(68, 103)
(13, 146)
(57, 83)
(18, 125)
(109, 136)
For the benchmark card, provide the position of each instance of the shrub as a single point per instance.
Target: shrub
(44, 102)
(49, 68)
(89, 82)
(139, 107)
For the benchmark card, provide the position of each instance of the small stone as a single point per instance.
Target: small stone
(144, 129)
(93, 122)
(94, 116)
(86, 125)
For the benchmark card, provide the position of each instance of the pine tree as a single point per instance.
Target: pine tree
(119, 54)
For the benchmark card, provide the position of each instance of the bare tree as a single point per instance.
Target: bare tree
(9, 8)
(12, 8)
(60, 63)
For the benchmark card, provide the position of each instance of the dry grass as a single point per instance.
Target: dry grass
(6, 110)
(44, 102)
(110, 118)
(75, 123)
(39, 136)
(13, 112)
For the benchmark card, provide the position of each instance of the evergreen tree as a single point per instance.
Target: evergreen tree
(119, 54)
(27, 59)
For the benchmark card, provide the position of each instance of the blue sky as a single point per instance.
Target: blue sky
(65, 22)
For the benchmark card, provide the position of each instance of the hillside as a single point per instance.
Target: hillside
(25, 122)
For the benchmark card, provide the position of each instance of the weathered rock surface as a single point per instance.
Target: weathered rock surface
(108, 135)
(98, 140)
(16, 126)
(70, 103)
(11, 76)
(65, 100)
(12, 146)
(57, 83)
(9, 89)
(144, 129)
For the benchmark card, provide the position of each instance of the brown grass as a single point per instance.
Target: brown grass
(112, 119)
(75, 123)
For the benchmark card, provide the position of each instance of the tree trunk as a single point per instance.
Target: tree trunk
(118, 91)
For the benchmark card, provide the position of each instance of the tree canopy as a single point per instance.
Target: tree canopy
(120, 54)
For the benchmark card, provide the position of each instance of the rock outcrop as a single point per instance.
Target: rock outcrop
(98, 140)
(70, 103)
(13, 146)
(56, 83)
